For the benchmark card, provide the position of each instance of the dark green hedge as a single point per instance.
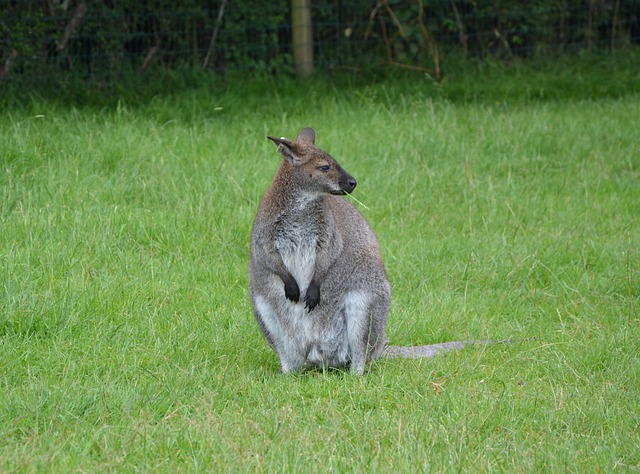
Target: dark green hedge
(113, 37)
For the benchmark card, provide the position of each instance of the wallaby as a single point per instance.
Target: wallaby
(317, 282)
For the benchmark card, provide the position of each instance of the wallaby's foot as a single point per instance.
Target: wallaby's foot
(288, 366)
(358, 369)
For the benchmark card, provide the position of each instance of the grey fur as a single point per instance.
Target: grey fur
(317, 282)
(435, 349)
(316, 278)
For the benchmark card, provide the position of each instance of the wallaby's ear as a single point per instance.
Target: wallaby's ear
(286, 147)
(307, 135)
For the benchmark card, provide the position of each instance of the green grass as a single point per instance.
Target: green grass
(127, 340)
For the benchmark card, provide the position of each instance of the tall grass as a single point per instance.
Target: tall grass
(127, 340)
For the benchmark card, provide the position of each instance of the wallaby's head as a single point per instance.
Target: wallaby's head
(314, 171)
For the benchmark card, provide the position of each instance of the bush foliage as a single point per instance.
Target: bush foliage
(100, 38)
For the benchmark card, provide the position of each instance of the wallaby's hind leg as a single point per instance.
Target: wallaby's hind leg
(290, 360)
(365, 315)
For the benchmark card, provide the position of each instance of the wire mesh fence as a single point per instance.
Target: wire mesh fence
(104, 39)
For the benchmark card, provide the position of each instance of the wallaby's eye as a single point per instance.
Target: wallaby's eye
(324, 168)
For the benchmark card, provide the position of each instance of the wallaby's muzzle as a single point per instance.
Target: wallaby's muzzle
(347, 184)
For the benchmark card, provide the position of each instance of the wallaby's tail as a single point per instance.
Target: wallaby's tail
(415, 352)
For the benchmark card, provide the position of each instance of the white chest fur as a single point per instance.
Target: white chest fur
(299, 256)
(297, 240)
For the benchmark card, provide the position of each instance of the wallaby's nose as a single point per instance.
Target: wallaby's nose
(346, 182)
(349, 185)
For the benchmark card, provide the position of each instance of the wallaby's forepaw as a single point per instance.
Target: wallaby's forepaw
(291, 289)
(313, 296)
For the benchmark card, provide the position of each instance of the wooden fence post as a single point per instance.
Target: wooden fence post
(302, 37)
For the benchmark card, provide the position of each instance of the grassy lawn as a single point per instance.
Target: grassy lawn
(507, 204)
